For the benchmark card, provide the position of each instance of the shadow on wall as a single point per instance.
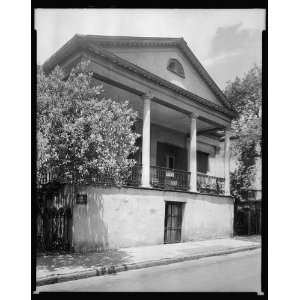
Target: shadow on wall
(90, 233)
(216, 199)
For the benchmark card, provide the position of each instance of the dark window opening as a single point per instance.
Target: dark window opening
(170, 161)
(179, 155)
(202, 162)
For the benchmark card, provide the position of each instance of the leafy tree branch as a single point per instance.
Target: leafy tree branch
(80, 134)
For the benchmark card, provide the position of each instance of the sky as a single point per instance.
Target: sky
(226, 42)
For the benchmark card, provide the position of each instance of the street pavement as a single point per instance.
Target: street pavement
(238, 272)
(70, 263)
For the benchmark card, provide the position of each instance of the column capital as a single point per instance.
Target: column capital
(147, 95)
(193, 115)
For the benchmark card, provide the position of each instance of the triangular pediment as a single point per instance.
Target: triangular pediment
(150, 58)
(154, 54)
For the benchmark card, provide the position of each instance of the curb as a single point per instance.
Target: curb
(100, 271)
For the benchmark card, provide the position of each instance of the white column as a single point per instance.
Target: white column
(188, 153)
(227, 162)
(193, 154)
(146, 142)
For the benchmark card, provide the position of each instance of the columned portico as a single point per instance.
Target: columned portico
(193, 154)
(146, 141)
(227, 162)
(177, 189)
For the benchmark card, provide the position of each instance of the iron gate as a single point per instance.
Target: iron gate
(54, 218)
(173, 221)
(247, 218)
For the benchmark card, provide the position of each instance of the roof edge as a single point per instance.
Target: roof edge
(50, 63)
(195, 61)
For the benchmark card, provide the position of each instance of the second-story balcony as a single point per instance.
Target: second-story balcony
(160, 178)
(171, 179)
(210, 184)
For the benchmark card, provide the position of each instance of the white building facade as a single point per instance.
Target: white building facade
(180, 190)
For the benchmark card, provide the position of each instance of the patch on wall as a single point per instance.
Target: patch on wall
(152, 211)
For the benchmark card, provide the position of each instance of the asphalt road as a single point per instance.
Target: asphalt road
(238, 272)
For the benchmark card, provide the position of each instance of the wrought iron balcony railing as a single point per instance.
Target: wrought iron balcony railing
(135, 176)
(165, 178)
(160, 177)
(210, 184)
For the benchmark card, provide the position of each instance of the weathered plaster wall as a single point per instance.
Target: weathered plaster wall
(155, 60)
(115, 218)
(207, 217)
(216, 162)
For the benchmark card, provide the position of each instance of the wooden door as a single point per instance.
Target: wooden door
(173, 222)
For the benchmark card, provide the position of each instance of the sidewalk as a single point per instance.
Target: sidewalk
(58, 268)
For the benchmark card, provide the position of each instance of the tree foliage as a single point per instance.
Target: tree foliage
(80, 133)
(245, 95)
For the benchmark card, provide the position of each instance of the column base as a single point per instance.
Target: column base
(148, 186)
(227, 192)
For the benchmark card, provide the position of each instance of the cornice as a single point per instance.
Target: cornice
(124, 41)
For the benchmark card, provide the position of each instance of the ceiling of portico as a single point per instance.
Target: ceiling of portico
(173, 119)
(160, 114)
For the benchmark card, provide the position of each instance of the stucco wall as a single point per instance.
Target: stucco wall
(216, 162)
(207, 217)
(115, 218)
